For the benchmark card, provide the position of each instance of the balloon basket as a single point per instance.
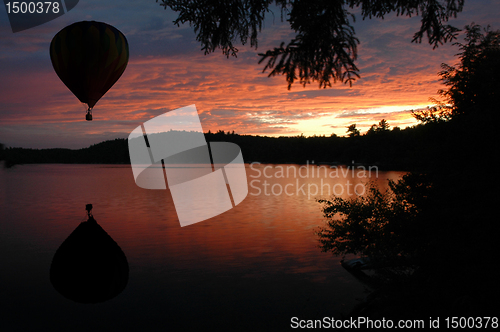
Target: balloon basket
(88, 116)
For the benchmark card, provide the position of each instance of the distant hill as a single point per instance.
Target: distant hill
(108, 152)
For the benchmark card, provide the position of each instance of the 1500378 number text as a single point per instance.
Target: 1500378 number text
(32, 7)
(471, 322)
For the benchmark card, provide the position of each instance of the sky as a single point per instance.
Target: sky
(167, 70)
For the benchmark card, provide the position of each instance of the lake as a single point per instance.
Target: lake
(252, 268)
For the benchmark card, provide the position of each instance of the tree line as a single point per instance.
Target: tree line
(396, 149)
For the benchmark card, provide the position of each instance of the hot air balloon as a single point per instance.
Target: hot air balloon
(89, 57)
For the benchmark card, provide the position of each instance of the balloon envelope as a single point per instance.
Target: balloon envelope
(89, 57)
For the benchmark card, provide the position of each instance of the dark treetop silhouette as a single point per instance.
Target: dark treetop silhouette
(324, 48)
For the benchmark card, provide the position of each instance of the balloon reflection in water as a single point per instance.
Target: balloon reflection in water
(89, 266)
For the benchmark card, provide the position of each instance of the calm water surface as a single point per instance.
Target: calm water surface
(252, 268)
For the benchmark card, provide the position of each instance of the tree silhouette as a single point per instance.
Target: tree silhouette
(372, 130)
(433, 219)
(353, 131)
(383, 126)
(381, 225)
(473, 83)
(324, 49)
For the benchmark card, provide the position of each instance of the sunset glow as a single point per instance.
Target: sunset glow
(167, 70)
